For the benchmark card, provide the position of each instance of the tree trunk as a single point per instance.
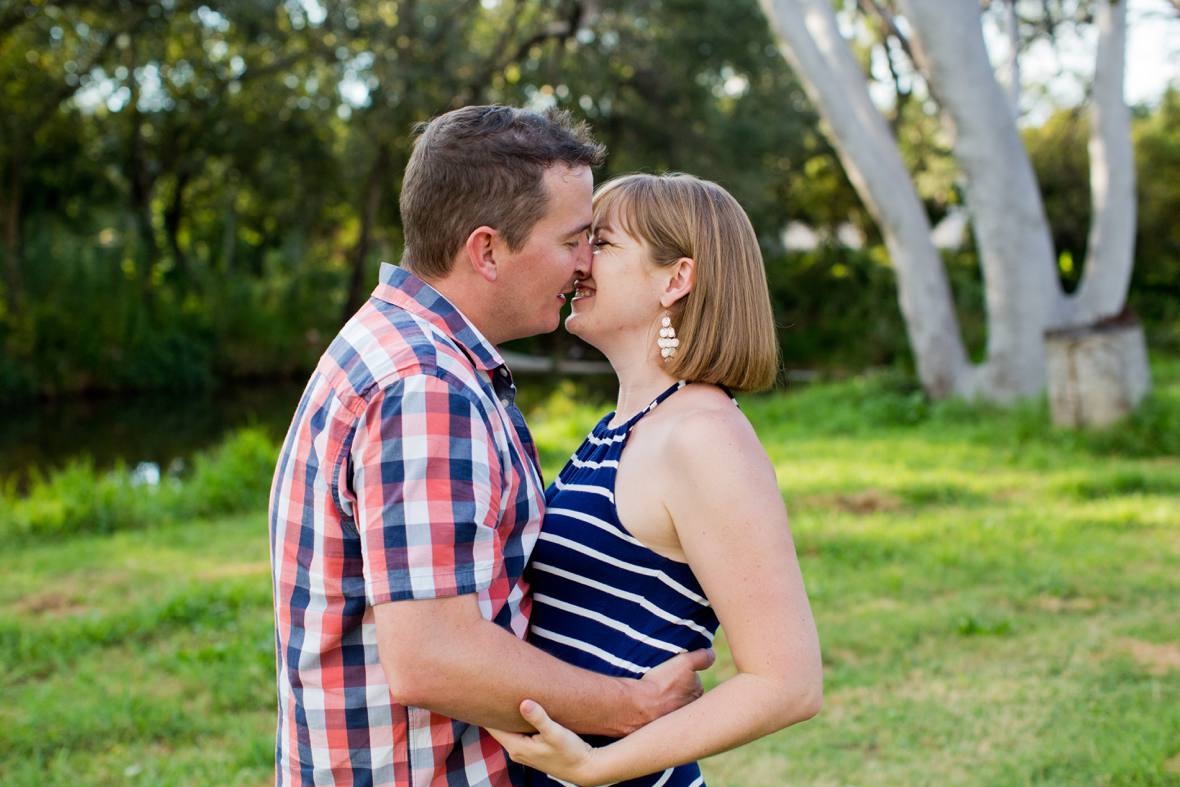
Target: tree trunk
(1097, 375)
(173, 216)
(810, 39)
(11, 199)
(229, 236)
(1111, 247)
(371, 203)
(142, 183)
(141, 200)
(1023, 292)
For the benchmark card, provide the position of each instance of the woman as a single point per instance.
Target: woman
(668, 519)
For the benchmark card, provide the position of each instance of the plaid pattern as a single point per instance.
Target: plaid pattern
(408, 473)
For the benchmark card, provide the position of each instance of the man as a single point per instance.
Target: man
(408, 496)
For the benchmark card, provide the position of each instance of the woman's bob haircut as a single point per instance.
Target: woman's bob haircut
(725, 323)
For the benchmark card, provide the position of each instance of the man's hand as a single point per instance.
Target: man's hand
(669, 686)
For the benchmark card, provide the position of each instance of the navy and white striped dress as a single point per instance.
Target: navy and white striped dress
(601, 599)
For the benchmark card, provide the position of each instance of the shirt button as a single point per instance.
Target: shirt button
(504, 371)
(504, 401)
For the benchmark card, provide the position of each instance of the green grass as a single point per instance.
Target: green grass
(998, 602)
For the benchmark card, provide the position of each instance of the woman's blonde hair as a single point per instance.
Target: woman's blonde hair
(725, 324)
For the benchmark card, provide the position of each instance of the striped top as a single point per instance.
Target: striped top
(601, 599)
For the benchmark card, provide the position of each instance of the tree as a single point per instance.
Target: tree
(218, 179)
(1023, 293)
(44, 52)
(691, 85)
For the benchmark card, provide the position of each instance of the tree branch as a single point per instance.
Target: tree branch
(874, 8)
(558, 29)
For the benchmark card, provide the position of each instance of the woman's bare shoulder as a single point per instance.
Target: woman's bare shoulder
(699, 416)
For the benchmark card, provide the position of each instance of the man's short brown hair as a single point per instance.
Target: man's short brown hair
(479, 166)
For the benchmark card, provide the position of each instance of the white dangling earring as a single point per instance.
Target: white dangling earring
(667, 341)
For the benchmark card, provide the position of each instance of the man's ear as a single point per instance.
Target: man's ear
(680, 282)
(479, 251)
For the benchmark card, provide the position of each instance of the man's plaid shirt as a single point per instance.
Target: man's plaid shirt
(408, 473)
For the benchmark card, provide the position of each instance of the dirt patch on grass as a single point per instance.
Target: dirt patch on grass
(870, 501)
(51, 602)
(1057, 604)
(1172, 765)
(843, 657)
(1158, 659)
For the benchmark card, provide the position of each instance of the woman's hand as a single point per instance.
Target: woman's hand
(553, 749)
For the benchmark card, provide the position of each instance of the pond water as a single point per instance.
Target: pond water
(157, 429)
(154, 433)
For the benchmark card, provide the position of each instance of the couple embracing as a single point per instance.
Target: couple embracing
(443, 618)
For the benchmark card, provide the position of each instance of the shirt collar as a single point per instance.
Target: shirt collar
(401, 288)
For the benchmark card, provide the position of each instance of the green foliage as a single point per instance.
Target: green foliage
(202, 189)
(1156, 280)
(836, 308)
(562, 419)
(1057, 150)
(233, 478)
(892, 400)
(212, 183)
(78, 499)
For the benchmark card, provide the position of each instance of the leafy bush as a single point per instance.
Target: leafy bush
(77, 499)
(235, 477)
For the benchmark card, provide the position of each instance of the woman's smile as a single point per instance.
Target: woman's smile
(581, 291)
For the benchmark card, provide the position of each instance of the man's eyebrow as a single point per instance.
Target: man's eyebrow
(585, 228)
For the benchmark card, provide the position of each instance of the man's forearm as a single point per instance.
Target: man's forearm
(441, 654)
(482, 676)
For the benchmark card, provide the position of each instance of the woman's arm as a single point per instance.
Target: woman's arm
(720, 490)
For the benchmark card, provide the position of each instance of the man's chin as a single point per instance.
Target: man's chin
(549, 326)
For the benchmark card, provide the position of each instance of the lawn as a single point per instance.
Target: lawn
(998, 602)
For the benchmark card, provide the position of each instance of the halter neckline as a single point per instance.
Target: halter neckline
(602, 429)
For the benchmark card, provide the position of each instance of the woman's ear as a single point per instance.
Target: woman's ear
(680, 282)
(479, 251)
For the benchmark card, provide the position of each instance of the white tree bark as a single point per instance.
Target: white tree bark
(1013, 22)
(1023, 291)
(1097, 376)
(810, 40)
(1111, 247)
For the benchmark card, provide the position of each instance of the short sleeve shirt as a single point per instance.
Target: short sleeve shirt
(408, 473)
